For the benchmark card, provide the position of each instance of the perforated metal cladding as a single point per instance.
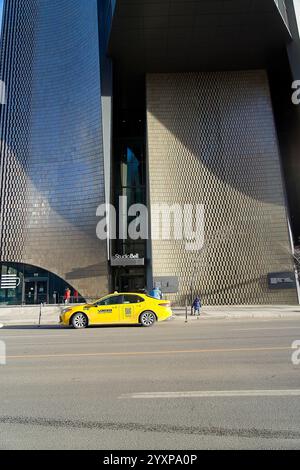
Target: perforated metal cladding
(212, 141)
(16, 71)
(54, 177)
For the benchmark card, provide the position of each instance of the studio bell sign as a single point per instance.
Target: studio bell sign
(127, 260)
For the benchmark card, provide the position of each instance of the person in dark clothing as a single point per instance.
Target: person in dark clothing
(197, 306)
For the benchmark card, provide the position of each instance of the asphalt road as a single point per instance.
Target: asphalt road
(206, 385)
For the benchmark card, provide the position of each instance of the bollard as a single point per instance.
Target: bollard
(40, 317)
(186, 310)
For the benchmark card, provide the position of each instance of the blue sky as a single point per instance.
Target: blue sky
(297, 8)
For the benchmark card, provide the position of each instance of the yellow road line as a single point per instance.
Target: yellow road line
(148, 353)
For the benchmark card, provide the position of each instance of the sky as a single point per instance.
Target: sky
(297, 8)
(1, 6)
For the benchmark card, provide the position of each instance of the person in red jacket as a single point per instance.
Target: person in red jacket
(67, 296)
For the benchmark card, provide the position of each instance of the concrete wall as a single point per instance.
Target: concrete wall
(30, 315)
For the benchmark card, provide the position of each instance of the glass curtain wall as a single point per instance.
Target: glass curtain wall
(22, 284)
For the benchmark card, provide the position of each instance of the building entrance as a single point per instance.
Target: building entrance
(129, 280)
(30, 285)
(36, 291)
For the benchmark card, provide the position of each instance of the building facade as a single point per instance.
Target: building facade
(165, 104)
(52, 163)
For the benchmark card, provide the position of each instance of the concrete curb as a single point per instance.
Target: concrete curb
(240, 316)
(243, 312)
(177, 317)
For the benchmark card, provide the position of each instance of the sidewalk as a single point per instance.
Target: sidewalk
(244, 311)
(30, 315)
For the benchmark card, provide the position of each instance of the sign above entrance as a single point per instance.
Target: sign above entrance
(9, 281)
(127, 260)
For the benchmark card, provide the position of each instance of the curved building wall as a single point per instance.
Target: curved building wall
(16, 63)
(212, 141)
(58, 168)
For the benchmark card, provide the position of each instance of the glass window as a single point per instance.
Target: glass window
(11, 284)
(114, 300)
(132, 299)
(25, 284)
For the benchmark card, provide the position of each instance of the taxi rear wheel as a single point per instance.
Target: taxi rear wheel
(79, 321)
(147, 319)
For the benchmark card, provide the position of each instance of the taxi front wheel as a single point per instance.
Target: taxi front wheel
(147, 319)
(79, 321)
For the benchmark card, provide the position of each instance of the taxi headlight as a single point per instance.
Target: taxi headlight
(66, 310)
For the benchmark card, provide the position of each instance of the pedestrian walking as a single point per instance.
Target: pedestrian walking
(197, 306)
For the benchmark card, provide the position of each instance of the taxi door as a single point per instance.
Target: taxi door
(106, 311)
(131, 308)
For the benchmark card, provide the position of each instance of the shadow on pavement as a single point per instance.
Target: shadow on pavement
(59, 327)
(34, 327)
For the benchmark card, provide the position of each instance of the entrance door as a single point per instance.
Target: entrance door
(36, 292)
(42, 292)
(131, 283)
(30, 293)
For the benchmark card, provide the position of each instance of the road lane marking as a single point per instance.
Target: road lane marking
(214, 394)
(147, 353)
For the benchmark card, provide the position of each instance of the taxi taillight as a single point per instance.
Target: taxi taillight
(165, 304)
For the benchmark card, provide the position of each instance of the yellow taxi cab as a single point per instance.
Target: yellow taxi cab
(118, 308)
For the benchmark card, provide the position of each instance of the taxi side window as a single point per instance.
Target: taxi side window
(115, 300)
(132, 299)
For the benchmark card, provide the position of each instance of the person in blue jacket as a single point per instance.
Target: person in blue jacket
(197, 306)
(156, 293)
